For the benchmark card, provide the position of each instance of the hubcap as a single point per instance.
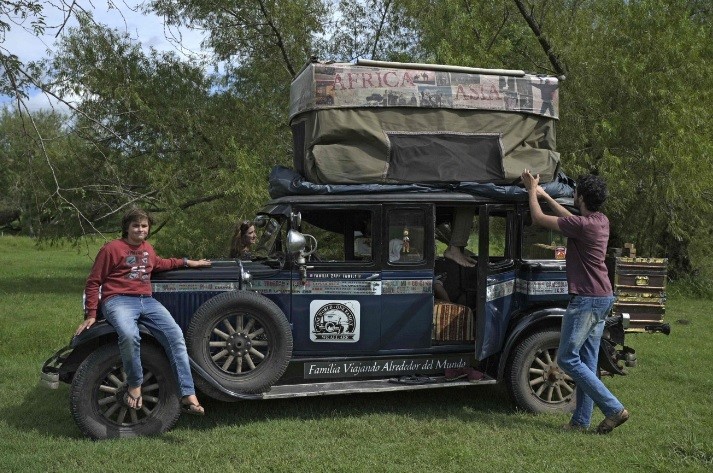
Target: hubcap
(238, 344)
(547, 380)
(110, 398)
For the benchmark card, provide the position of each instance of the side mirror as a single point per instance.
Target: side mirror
(295, 220)
(261, 220)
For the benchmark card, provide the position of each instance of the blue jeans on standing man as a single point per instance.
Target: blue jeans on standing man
(124, 313)
(582, 327)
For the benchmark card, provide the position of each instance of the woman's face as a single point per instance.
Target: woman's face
(251, 235)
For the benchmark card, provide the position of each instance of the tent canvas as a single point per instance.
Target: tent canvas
(365, 124)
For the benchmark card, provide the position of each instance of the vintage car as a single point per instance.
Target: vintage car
(309, 315)
(339, 296)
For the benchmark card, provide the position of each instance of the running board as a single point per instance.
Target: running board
(406, 383)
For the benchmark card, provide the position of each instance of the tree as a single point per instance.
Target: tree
(38, 159)
(153, 133)
(375, 29)
(635, 112)
(634, 105)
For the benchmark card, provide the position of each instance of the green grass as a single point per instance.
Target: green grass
(670, 396)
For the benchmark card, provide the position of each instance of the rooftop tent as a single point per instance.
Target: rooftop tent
(375, 122)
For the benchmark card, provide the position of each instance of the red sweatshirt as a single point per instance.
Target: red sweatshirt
(121, 268)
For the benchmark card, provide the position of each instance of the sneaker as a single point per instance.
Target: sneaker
(612, 422)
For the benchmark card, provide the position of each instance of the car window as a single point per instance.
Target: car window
(497, 225)
(541, 243)
(498, 236)
(341, 234)
(406, 236)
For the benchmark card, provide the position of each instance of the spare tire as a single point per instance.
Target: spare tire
(242, 339)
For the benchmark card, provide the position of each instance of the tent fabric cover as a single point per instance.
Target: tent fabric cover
(350, 124)
(348, 146)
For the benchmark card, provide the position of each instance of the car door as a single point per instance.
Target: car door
(496, 277)
(336, 305)
(407, 278)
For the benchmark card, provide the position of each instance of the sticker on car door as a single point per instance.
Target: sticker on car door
(334, 321)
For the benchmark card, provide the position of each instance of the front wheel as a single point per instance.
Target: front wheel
(97, 395)
(535, 381)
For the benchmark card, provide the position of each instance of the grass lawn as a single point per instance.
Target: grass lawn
(669, 395)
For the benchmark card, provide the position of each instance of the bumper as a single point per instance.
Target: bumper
(49, 377)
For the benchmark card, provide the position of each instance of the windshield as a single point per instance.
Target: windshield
(269, 244)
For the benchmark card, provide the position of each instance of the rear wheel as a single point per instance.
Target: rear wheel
(535, 381)
(97, 395)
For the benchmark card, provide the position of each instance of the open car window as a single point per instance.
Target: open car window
(542, 243)
(343, 235)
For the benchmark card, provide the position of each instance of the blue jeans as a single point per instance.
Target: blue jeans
(124, 313)
(582, 328)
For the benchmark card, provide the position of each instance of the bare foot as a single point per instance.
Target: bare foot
(192, 399)
(132, 397)
(190, 405)
(456, 254)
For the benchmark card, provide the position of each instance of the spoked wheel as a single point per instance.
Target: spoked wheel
(240, 344)
(535, 381)
(243, 340)
(97, 395)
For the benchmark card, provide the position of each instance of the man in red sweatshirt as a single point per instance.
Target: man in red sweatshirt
(121, 279)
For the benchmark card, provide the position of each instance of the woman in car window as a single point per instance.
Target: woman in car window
(244, 238)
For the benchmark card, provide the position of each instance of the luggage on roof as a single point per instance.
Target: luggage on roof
(404, 123)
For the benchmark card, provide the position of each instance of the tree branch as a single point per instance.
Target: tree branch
(280, 44)
(377, 36)
(541, 38)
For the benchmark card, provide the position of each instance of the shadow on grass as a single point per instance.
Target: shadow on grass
(43, 285)
(47, 411)
(467, 404)
(43, 411)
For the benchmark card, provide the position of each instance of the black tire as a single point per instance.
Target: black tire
(96, 396)
(535, 381)
(243, 340)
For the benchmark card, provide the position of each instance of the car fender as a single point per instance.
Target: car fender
(100, 330)
(102, 333)
(89, 340)
(544, 317)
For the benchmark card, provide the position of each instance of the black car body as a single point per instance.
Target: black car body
(335, 301)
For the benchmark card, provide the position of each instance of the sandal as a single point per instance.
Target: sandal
(193, 409)
(612, 422)
(138, 404)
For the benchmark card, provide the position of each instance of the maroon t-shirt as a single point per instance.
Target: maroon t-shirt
(587, 239)
(121, 268)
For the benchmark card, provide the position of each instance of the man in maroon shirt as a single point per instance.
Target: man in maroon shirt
(121, 279)
(591, 295)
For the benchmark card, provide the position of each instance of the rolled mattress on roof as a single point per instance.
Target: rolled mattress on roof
(368, 124)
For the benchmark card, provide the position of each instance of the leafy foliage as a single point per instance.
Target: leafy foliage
(633, 105)
(160, 131)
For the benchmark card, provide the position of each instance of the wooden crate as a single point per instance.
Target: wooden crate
(640, 290)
